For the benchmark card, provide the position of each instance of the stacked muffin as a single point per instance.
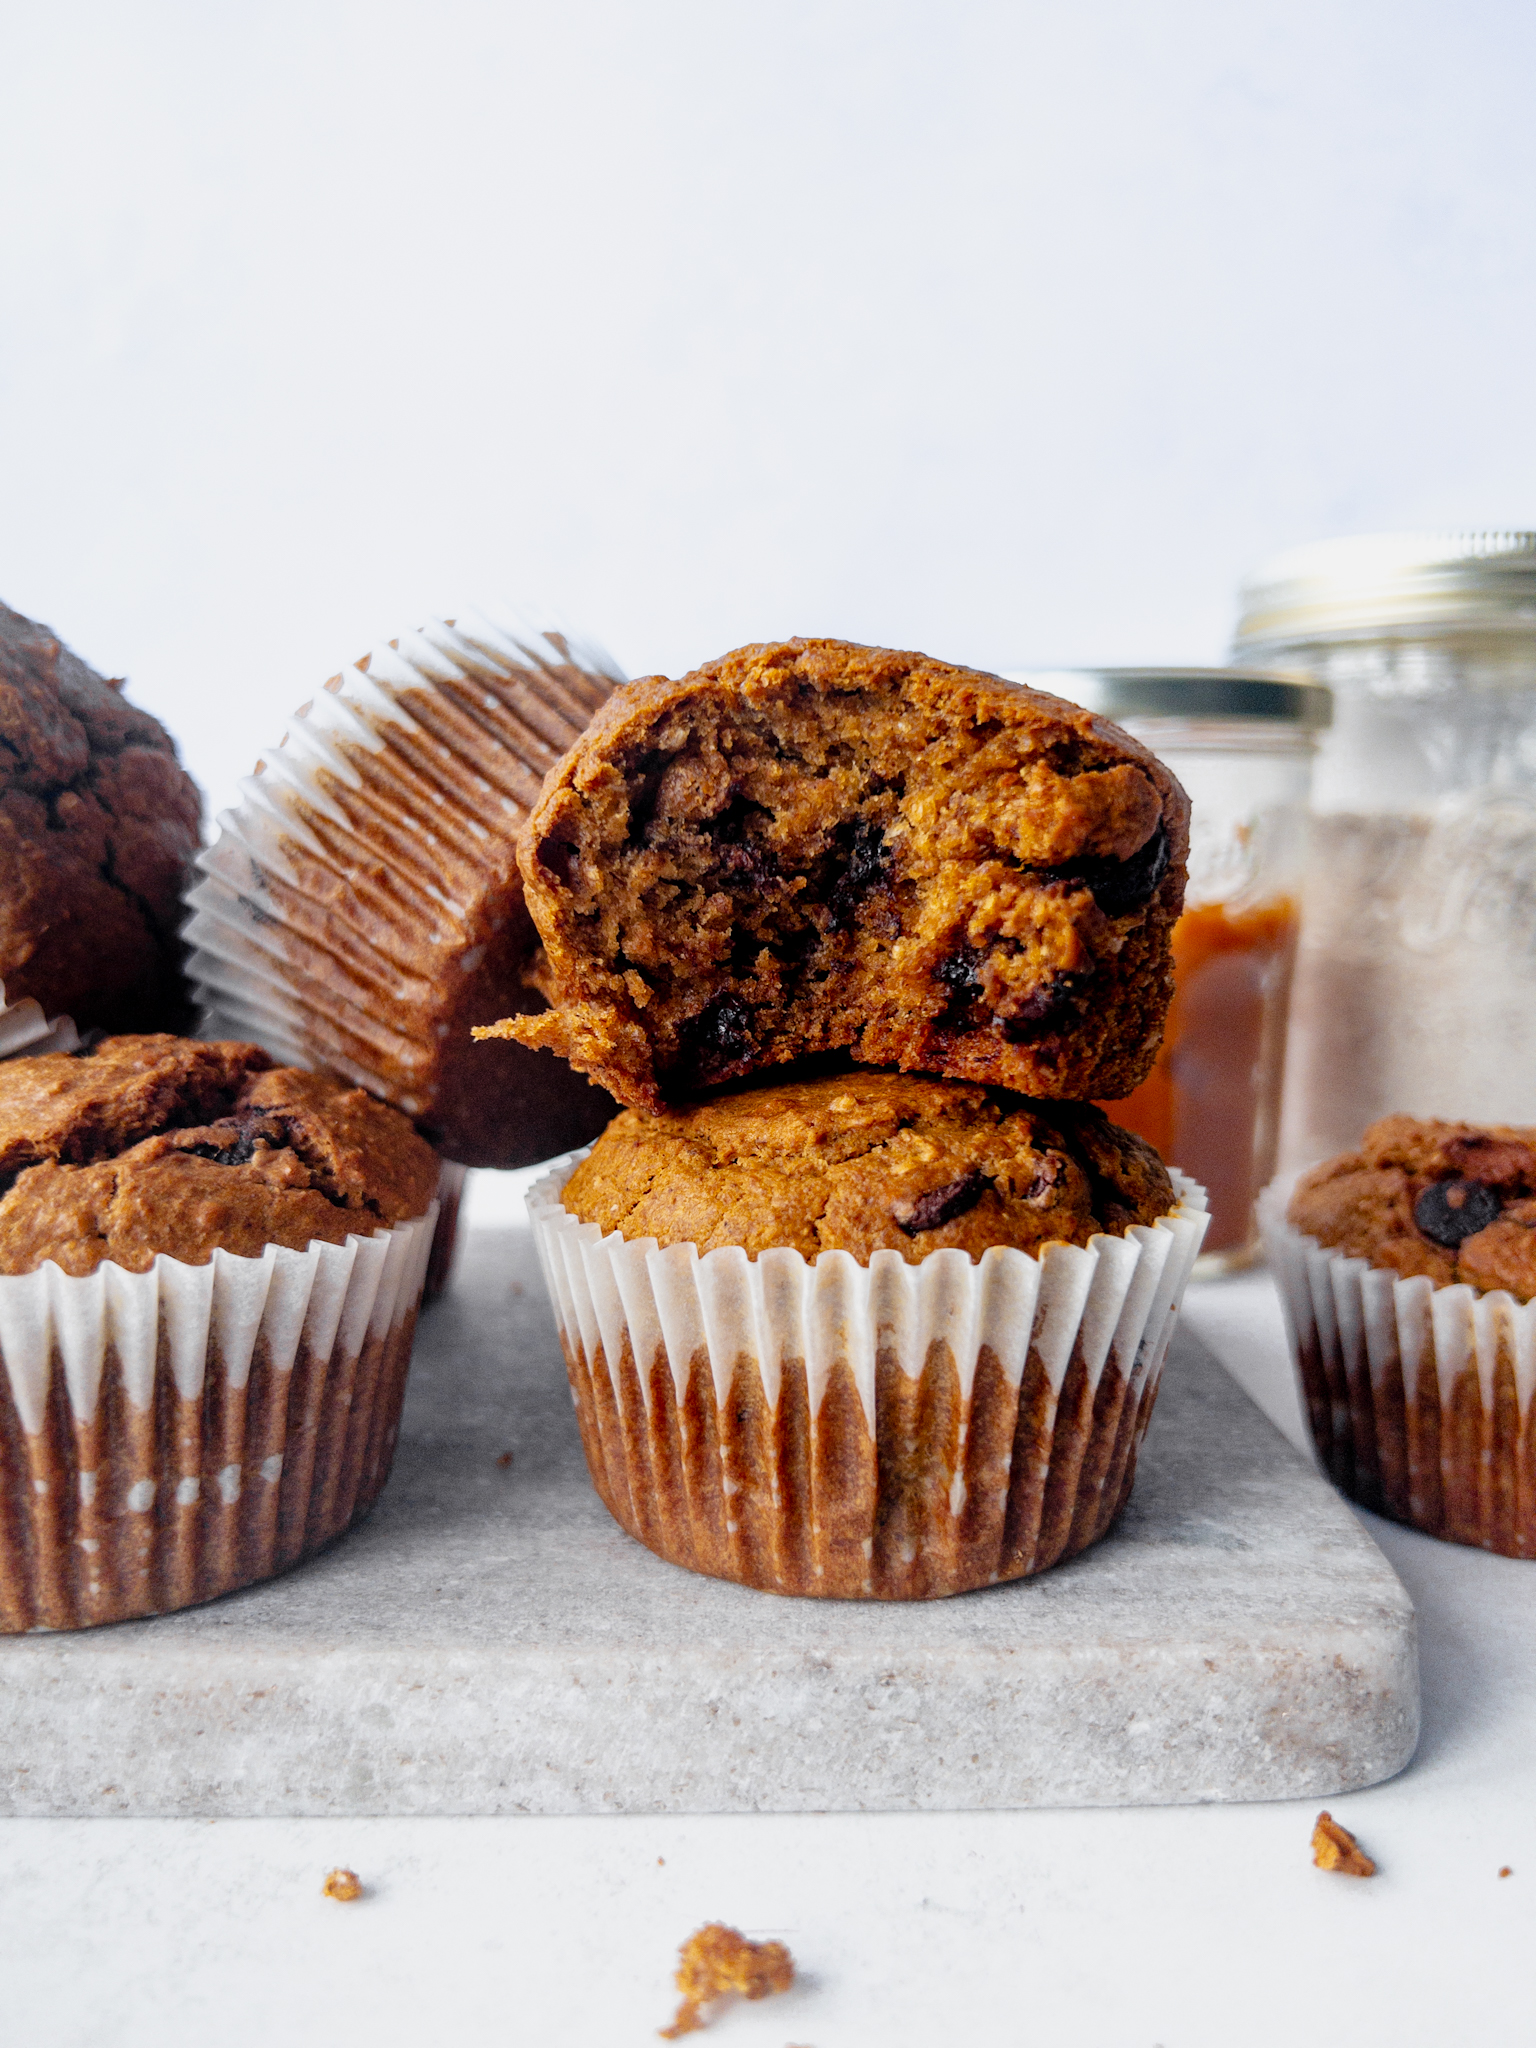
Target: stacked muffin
(811, 852)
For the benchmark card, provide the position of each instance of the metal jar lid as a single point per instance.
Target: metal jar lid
(1390, 584)
(1191, 694)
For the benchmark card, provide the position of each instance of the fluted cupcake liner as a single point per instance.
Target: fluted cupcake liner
(1419, 1397)
(171, 1435)
(354, 911)
(24, 1029)
(887, 1431)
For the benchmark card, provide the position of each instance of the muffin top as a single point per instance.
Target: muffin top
(869, 1162)
(158, 1144)
(1455, 1202)
(98, 826)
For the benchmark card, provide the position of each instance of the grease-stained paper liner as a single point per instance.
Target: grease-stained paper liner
(362, 908)
(1419, 1397)
(24, 1029)
(886, 1431)
(171, 1435)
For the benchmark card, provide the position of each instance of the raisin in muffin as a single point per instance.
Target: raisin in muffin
(209, 1277)
(869, 1162)
(810, 845)
(98, 827)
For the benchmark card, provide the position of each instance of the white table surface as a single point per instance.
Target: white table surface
(1195, 1927)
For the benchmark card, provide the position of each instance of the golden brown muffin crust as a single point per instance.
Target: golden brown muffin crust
(98, 826)
(809, 845)
(161, 1144)
(869, 1162)
(1453, 1202)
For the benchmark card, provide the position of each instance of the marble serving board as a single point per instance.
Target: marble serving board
(491, 1643)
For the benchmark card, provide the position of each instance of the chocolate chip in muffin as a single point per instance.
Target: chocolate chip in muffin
(1450, 1211)
(810, 845)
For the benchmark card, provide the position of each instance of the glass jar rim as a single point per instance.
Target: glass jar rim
(1238, 697)
(1383, 585)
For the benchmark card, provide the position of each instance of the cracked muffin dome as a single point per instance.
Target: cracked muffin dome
(869, 1162)
(159, 1144)
(1454, 1202)
(811, 845)
(98, 826)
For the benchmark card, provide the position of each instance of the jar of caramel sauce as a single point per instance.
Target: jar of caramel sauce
(1242, 744)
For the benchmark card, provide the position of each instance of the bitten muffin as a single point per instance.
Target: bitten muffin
(362, 907)
(869, 1162)
(159, 1144)
(98, 827)
(1454, 1202)
(809, 845)
(209, 1276)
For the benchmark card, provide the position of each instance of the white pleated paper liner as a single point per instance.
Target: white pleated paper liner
(362, 907)
(172, 1435)
(886, 1431)
(24, 1029)
(1419, 1397)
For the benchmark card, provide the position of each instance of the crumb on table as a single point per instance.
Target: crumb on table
(342, 1884)
(1335, 1848)
(717, 1962)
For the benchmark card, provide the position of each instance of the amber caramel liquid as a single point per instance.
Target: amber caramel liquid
(1211, 1103)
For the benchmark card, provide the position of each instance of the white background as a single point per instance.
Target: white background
(1016, 332)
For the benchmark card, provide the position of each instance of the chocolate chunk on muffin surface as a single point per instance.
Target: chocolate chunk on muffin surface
(811, 845)
(1454, 1202)
(869, 1162)
(98, 826)
(159, 1144)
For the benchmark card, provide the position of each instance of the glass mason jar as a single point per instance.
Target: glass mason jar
(1242, 745)
(1415, 985)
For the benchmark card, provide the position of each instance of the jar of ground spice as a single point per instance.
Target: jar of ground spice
(1242, 745)
(1415, 985)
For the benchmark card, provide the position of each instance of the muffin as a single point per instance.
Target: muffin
(867, 1335)
(98, 827)
(362, 907)
(211, 1269)
(1408, 1273)
(809, 845)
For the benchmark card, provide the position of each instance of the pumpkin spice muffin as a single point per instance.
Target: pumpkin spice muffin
(211, 1269)
(1408, 1273)
(865, 1163)
(810, 845)
(98, 827)
(1454, 1202)
(868, 1335)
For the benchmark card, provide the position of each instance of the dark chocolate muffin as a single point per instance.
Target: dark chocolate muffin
(869, 1162)
(811, 845)
(98, 827)
(160, 1144)
(1454, 1202)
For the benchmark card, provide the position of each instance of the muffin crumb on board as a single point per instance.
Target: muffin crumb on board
(1335, 1848)
(718, 1962)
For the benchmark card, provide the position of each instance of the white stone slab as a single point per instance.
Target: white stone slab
(492, 1643)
